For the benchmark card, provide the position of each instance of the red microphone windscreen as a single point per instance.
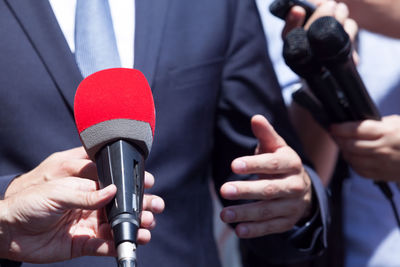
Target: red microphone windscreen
(114, 104)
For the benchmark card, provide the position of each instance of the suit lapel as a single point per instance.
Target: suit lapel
(39, 23)
(150, 22)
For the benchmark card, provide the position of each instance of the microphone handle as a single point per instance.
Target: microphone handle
(363, 108)
(327, 90)
(353, 87)
(122, 163)
(307, 101)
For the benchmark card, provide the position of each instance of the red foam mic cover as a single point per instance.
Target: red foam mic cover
(113, 94)
(109, 96)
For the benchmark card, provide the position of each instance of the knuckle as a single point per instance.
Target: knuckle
(296, 164)
(298, 187)
(268, 191)
(265, 212)
(66, 166)
(90, 198)
(274, 164)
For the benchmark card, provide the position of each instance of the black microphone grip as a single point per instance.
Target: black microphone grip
(326, 89)
(348, 77)
(122, 163)
(332, 45)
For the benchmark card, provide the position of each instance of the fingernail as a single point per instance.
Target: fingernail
(242, 231)
(239, 165)
(228, 215)
(157, 204)
(230, 190)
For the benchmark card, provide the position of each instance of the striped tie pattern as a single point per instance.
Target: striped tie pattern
(95, 43)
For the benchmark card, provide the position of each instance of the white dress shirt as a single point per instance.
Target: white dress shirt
(123, 16)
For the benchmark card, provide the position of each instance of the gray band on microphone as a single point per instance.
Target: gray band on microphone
(137, 132)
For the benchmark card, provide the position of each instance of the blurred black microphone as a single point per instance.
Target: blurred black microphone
(280, 8)
(299, 57)
(331, 45)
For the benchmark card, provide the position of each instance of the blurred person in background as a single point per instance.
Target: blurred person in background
(371, 148)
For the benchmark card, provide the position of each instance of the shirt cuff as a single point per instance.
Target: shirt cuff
(311, 235)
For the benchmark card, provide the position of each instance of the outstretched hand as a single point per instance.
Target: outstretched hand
(282, 192)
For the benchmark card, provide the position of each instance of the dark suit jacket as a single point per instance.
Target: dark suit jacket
(207, 65)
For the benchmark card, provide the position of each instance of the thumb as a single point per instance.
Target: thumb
(268, 139)
(90, 200)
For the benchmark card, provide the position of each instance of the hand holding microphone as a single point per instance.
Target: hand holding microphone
(55, 212)
(331, 48)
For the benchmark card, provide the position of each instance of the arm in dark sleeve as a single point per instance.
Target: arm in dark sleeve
(250, 87)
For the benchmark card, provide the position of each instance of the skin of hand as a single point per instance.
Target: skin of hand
(371, 147)
(55, 212)
(339, 11)
(380, 16)
(282, 192)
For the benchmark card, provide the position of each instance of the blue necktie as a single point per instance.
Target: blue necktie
(95, 44)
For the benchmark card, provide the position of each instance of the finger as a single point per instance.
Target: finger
(367, 130)
(291, 187)
(147, 220)
(148, 180)
(258, 229)
(268, 139)
(82, 199)
(76, 153)
(358, 147)
(263, 210)
(143, 236)
(83, 168)
(327, 8)
(97, 247)
(294, 19)
(341, 13)
(351, 27)
(153, 203)
(283, 161)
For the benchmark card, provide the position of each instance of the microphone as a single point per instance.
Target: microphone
(115, 116)
(299, 57)
(280, 8)
(332, 46)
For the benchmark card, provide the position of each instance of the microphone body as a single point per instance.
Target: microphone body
(122, 163)
(346, 74)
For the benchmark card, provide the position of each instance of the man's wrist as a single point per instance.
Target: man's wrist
(4, 229)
